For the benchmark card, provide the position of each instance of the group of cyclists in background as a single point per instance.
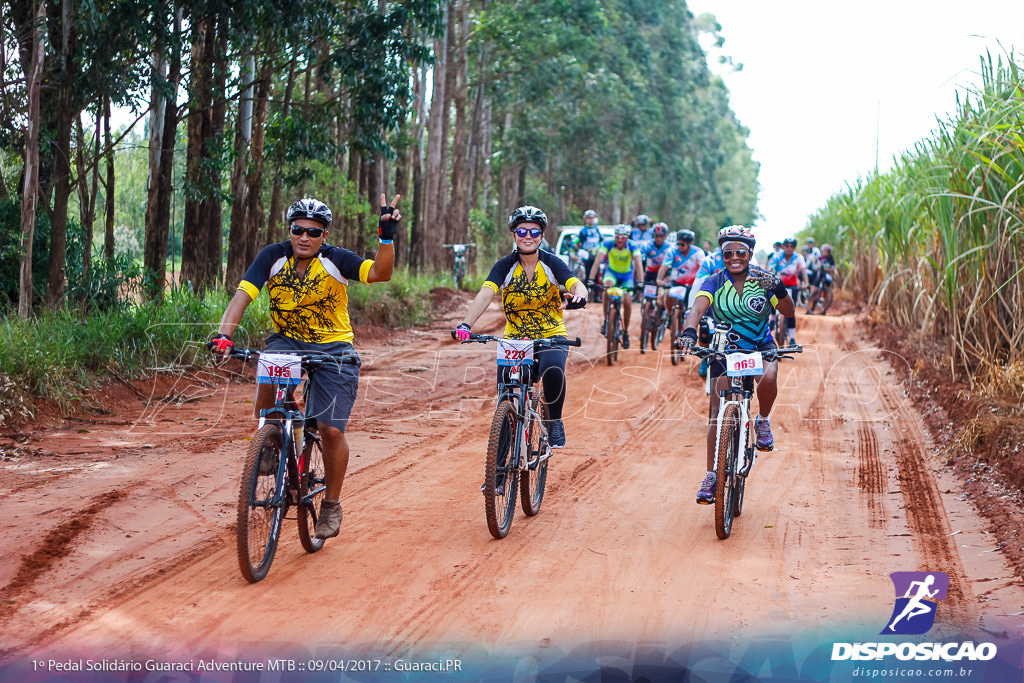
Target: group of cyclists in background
(724, 285)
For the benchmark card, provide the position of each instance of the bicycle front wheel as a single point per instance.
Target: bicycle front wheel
(312, 490)
(677, 328)
(501, 474)
(822, 301)
(259, 514)
(459, 275)
(612, 334)
(533, 478)
(725, 485)
(659, 331)
(646, 325)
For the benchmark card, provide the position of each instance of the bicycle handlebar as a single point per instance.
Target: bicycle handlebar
(470, 244)
(314, 360)
(542, 343)
(773, 354)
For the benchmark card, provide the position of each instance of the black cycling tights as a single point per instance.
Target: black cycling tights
(550, 363)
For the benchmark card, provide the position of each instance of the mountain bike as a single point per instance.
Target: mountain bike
(677, 317)
(822, 296)
(735, 452)
(653, 321)
(270, 483)
(459, 266)
(612, 321)
(517, 449)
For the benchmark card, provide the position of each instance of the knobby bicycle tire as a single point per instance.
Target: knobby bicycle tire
(646, 330)
(312, 490)
(822, 301)
(535, 476)
(677, 329)
(725, 484)
(259, 519)
(658, 333)
(458, 276)
(501, 468)
(612, 330)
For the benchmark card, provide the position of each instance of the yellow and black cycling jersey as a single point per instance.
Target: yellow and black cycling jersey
(314, 307)
(533, 307)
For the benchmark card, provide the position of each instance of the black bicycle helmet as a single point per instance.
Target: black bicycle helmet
(528, 214)
(314, 209)
(685, 235)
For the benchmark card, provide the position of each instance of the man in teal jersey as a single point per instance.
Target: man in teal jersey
(743, 296)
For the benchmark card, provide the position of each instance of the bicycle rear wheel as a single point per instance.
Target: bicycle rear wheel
(501, 474)
(822, 301)
(725, 484)
(259, 515)
(312, 490)
(612, 331)
(646, 325)
(533, 478)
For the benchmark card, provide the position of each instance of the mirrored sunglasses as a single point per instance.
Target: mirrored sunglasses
(738, 253)
(298, 230)
(532, 232)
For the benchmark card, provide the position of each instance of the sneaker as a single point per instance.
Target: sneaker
(706, 492)
(703, 369)
(330, 519)
(625, 339)
(268, 462)
(556, 434)
(604, 327)
(763, 427)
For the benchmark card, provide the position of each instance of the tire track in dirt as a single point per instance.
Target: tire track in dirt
(871, 477)
(58, 543)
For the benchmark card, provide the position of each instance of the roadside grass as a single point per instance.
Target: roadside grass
(60, 356)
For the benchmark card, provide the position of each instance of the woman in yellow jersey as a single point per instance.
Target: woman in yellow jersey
(307, 280)
(528, 280)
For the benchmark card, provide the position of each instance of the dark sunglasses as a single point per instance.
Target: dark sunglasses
(739, 253)
(298, 230)
(532, 232)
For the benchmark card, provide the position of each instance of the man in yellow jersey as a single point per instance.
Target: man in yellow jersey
(307, 280)
(624, 266)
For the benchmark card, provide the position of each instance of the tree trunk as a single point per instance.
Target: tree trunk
(30, 185)
(275, 232)
(416, 227)
(458, 214)
(108, 231)
(434, 170)
(218, 116)
(86, 193)
(62, 160)
(254, 213)
(155, 250)
(238, 237)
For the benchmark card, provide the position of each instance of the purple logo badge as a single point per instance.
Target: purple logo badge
(916, 596)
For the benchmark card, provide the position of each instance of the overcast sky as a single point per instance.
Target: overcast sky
(821, 79)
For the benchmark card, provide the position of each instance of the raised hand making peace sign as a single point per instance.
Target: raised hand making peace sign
(387, 226)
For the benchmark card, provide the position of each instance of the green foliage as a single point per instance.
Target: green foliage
(11, 253)
(938, 242)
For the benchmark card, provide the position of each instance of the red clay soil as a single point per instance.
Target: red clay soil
(118, 532)
(982, 438)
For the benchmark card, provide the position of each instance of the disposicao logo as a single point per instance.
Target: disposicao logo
(916, 593)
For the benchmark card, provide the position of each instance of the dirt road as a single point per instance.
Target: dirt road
(117, 532)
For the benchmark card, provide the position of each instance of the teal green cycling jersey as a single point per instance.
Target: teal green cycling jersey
(746, 311)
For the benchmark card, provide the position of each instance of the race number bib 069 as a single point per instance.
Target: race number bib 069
(744, 364)
(279, 368)
(515, 352)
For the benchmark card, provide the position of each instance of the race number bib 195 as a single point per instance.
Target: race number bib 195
(744, 364)
(515, 352)
(279, 368)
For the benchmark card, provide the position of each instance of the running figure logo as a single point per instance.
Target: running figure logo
(914, 612)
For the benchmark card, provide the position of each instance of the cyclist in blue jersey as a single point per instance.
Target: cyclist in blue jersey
(642, 231)
(623, 266)
(589, 238)
(741, 295)
(681, 264)
(826, 266)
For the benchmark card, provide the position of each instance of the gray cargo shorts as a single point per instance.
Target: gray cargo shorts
(332, 391)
